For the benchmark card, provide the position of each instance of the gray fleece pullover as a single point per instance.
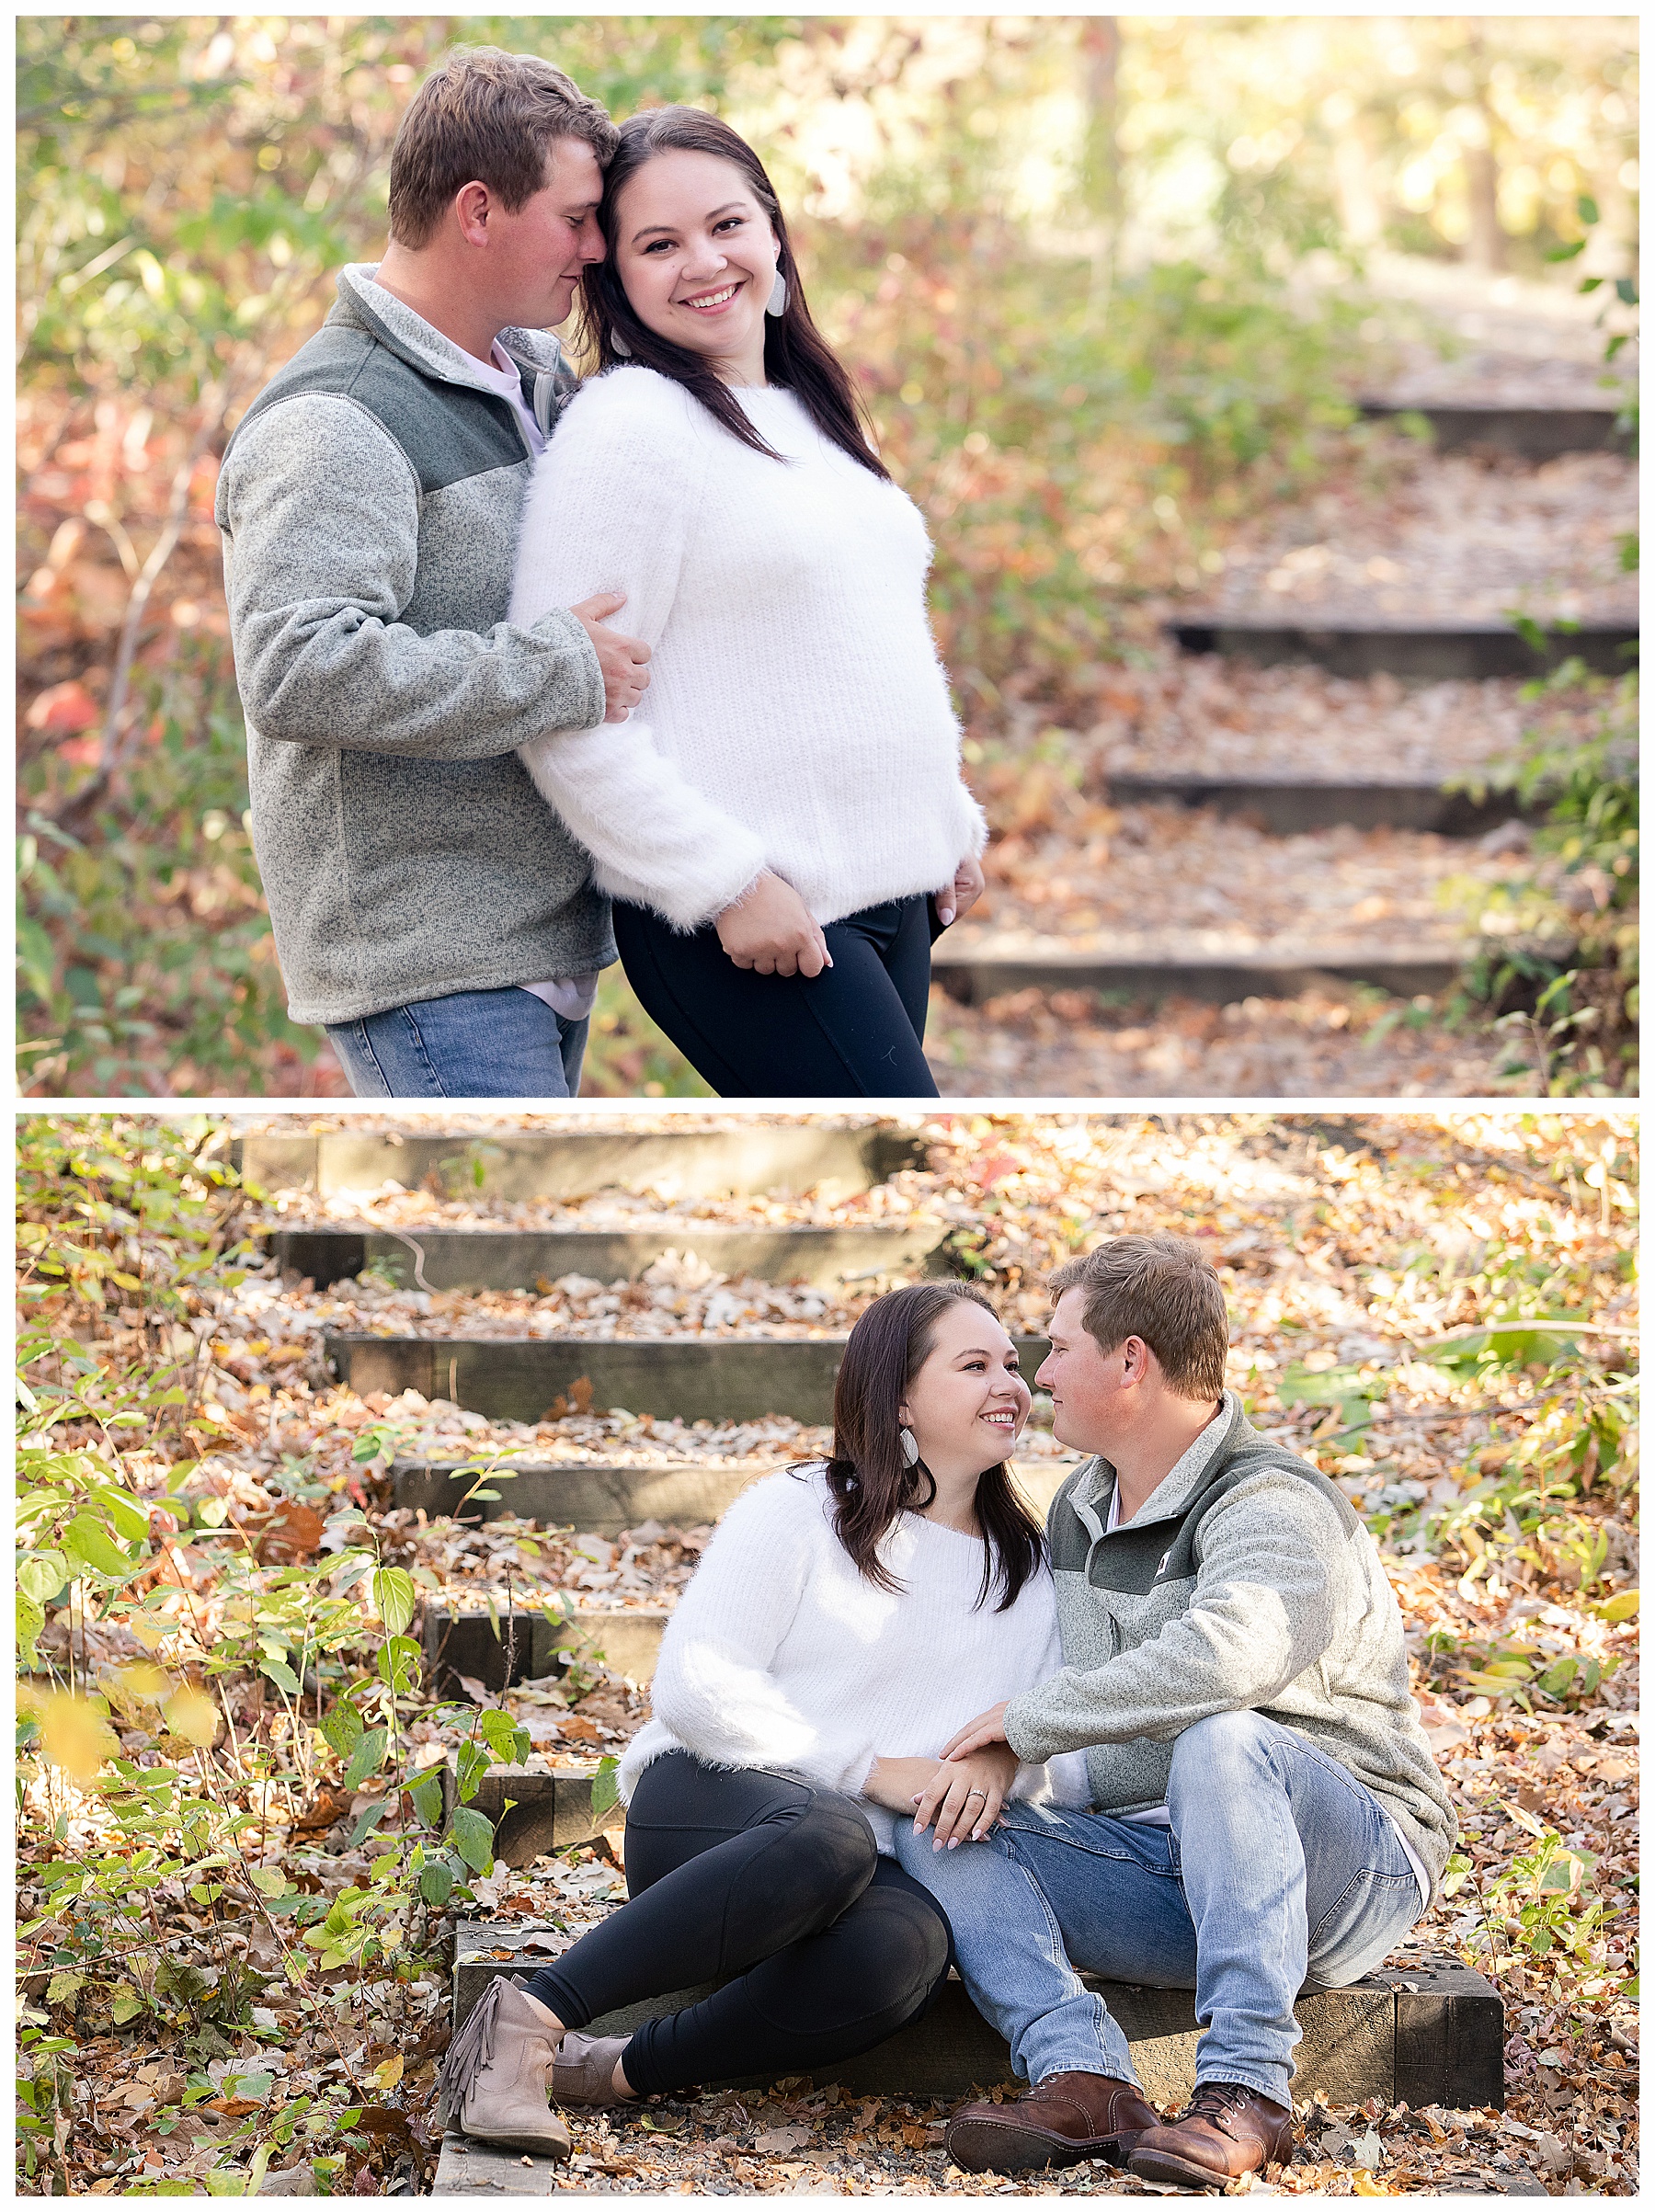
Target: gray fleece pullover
(368, 503)
(1245, 1582)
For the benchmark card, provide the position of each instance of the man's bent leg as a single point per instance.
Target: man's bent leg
(1289, 1868)
(469, 1045)
(1047, 1892)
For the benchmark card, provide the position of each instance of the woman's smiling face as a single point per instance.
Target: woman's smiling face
(697, 257)
(969, 1403)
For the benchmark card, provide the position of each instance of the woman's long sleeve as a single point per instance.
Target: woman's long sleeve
(609, 509)
(713, 1685)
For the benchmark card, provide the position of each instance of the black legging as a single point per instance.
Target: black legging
(855, 1031)
(774, 1890)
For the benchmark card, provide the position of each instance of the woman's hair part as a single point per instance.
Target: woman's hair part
(870, 1481)
(796, 356)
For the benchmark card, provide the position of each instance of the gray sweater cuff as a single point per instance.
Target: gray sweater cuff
(561, 628)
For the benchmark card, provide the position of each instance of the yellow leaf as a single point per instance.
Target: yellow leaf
(191, 1714)
(1364, 2184)
(75, 1737)
(391, 2073)
(144, 1683)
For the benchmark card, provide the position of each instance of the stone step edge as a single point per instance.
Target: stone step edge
(1427, 2034)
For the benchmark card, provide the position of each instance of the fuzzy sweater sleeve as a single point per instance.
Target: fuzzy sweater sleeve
(713, 1686)
(609, 509)
(1261, 1612)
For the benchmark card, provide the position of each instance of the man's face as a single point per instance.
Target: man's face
(1084, 1381)
(538, 253)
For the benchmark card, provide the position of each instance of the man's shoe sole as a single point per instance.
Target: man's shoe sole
(1162, 2166)
(981, 2146)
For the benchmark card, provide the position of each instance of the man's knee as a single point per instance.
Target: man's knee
(1231, 1744)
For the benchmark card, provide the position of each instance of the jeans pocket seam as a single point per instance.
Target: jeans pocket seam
(425, 1057)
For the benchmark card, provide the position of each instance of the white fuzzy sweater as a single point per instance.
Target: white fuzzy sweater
(797, 717)
(782, 1655)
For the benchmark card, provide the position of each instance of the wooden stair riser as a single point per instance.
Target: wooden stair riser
(1427, 652)
(683, 1378)
(519, 1165)
(605, 1501)
(480, 1259)
(1432, 2035)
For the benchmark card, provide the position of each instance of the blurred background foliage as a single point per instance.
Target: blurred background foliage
(1100, 279)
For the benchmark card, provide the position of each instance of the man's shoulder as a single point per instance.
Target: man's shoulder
(446, 432)
(1263, 1473)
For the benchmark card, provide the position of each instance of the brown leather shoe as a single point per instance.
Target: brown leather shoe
(1066, 2118)
(1226, 2130)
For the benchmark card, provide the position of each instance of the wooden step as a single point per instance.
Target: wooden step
(534, 1813)
(474, 1259)
(597, 1499)
(602, 1501)
(500, 1649)
(975, 971)
(1431, 651)
(1428, 2035)
(519, 1164)
(1292, 806)
(1528, 433)
(683, 1378)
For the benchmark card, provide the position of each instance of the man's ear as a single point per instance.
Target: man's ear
(1137, 1360)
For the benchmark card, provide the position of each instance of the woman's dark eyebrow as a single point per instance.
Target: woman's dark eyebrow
(651, 228)
(978, 1352)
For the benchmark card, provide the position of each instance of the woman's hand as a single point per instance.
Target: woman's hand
(963, 1796)
(896, 1783)
(771, 930)
(963, 893)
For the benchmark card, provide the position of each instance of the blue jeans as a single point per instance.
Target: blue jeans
(471, 1045)
(1279, 1868)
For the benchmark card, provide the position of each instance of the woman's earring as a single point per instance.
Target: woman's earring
(910, 1449)
(619, 345)
(777, 302)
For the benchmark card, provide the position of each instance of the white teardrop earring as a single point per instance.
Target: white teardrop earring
(619, 345)
(910, 1449)
(777, 302)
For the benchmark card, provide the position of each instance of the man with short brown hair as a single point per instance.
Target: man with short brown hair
(427, 906)
(1265, 1808)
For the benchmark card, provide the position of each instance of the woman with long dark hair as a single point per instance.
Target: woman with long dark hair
(845, 1618)
(785, 824)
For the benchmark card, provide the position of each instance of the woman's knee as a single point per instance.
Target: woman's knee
(825, 1847)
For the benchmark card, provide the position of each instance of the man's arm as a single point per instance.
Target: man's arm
(1261, 1612)
(322, 512)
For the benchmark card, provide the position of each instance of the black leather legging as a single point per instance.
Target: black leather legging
(856, 1031)
(775, 1890)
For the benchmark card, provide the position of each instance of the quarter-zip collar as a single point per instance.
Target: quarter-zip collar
(547, 368)
(1223, 1434)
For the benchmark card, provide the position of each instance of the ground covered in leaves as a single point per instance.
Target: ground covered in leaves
(237, 1907)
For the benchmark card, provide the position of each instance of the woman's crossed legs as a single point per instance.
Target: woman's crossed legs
(773, 1889)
